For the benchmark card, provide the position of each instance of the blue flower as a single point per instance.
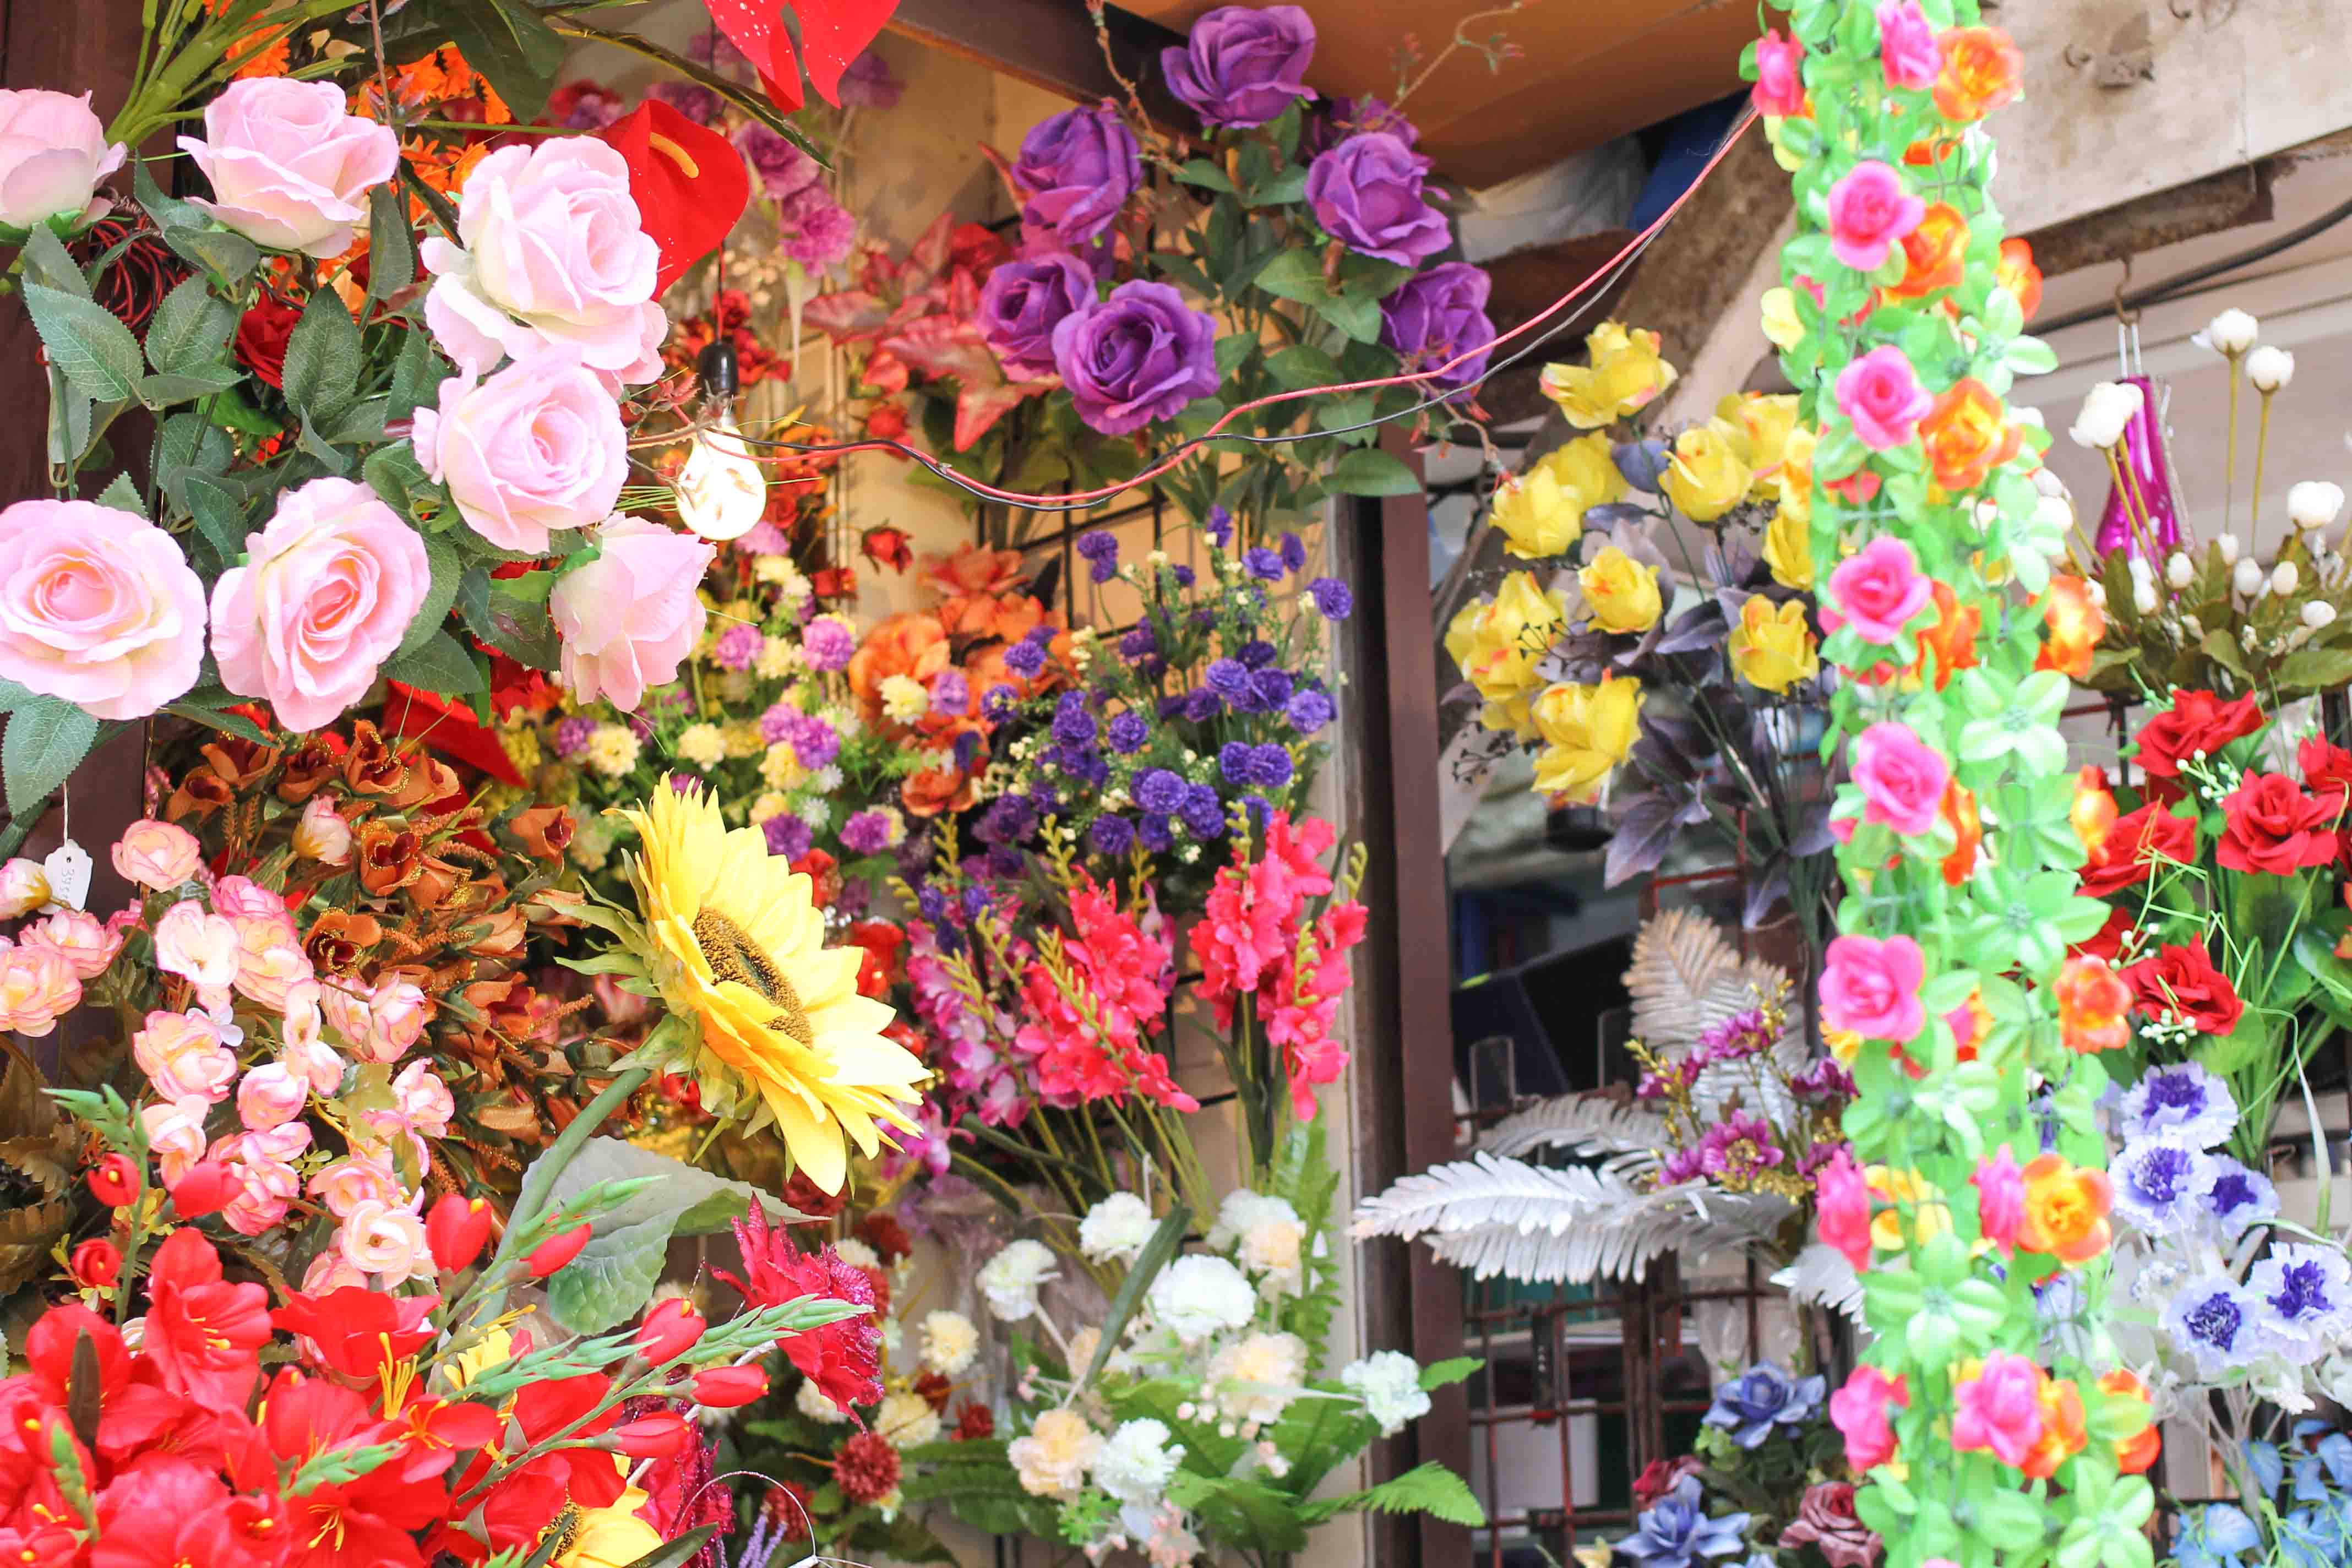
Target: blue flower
(1762, 1398)
(1269, 689)
(1111, 836)
(1101, 551)
(997, 703)
(1270, 766)
(1643, 463)
(975, 900)
(1159, 791)
(2240, 1198)
(932, 903)
(1234, 762)
(1220, 524)
(2307, 1291)
(2219, 1322)
(1183, 575)
(1155, 835)
(787, 835)
(1334, 601)
(1228, 677)
(1140, 640)
(2215, 1536)
(1256, 654)
(1307, 711)
(1203, 813)
(1025, 658)
(1264, 564)
(2160, 1183)
(1128, 733)
(1073, 725)
(1201, 705)
(1294, 552)
(2184, 1101)
(1676, 1532)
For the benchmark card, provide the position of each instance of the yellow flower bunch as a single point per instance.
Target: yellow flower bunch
(1707, 473)
(1541, 512)
(1497, 643)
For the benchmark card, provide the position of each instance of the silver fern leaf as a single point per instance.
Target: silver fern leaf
(1821, 1274)
(1687, 977)
(1590, 1124)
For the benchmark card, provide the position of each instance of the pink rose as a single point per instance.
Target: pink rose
(1879, 589)
(53, 153)
(1780, 76)
(185, 1055)
(2000, 1408)
(1871, 987)
(242, 898)
(199, 946)
(1881, 394)
(328, 1272)
(379, 1025)
(37, 988)
(270, 961)
(158, 854)
(343, 1185)
(423, 1099)
(269, 1187)
(537, 446)
(1843, 1208)
(289, 169)
(323, 834)
(1859, 1411)
(1902, 778)
(270, 1095)
(378, 1238)
(325, 595)
(1869, 213)
(86, 943)
(629, 616)
(2001, 1199)
(284, 1142)
(97, 606)
(553, 255)
(175, 1135)
(1907, 44)
(24, 887)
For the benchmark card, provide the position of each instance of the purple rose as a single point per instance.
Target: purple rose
(1434, 315)
(1241, 67)
(1365, 192)
(777, 160)
(1023, 301)
(1140, 355)
(1078, 167)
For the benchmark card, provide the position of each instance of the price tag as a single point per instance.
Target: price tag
(68, 869)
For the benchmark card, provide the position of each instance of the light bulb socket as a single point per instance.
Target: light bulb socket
(720, 371)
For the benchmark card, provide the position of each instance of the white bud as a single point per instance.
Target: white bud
(2028, 416)
(2248, 579)
(2179, 571)
(2270, 368)
(2285, 577)
(2049, 484)
(2228, 544)
(2318, 614)
(2144, 597)
(2096, 592)
(2231, 333)
(2141, 572)
(2314, 503)
(2106, 410)
(2053, 514)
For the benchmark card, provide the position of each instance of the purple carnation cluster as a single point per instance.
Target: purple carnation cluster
(867, 833)
(737, 647)
(827, 643)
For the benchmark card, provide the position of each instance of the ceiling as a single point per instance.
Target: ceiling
(1585, 70)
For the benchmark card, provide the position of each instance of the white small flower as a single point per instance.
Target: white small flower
(856, 1254)
(2096, 592)
(1197, 1296)
(2228, 544)
(1116, 1228)
(2179, 571)
(907, 1420)
(950, 1341)
(2231, 333)
(2247, 578)
(2141, 572)
(1083, 1345)
(2053, 514)
(2285, 577)
(1389, 1383)
(2318, 615)
(1258, 1376)
(1136, 1462)
(817, 1405)
(2144, 597)
(1053, 1458)
(2106, 410)
(1011, 1278)
(2314, 503)
(904, 698)
(2269, 368)
(2028, 416)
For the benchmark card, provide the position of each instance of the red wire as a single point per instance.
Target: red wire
(1408, 379)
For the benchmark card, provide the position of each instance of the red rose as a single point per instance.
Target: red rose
(2134, 845)
(2182, 979)
(2273, 827)
(2326, 771)
(261, 336)
(887, 422)
(2197, 722)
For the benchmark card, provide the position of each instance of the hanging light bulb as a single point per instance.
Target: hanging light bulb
(722, 490)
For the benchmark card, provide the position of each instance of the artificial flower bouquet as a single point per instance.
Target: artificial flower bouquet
(2295, 1508)
(1198, 1415)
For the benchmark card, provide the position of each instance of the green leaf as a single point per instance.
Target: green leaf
(48, 262)
(1203, 172)
(1446, 1374)
(440, 595)
(1294, 274)
(161, 392)
(671, 1554)
(1357, 315)
(2314, 669)
(511, 44)
(391, 245)
(417, 377)
(1285, 188)
(1232, 350)
(1430, 1489)
(1370, 473)
(169, 212)
(1240, 1512)
(124, 496)
(323, 361)
(396, 475)
(235, 724)
(1163, 1245)
(96, 352)
(517, 626)
(219, 514)
(437, 663)
(191, 329)
(47, 740)
(228, 257)
(1304, 365)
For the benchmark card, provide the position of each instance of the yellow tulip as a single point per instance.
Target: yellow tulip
(1538, 514)
(1773, 648)
(1587, 730)
(1497, 642)
(1623, 372)
(1588, 466)
(1789, 551)
(1781, 323)
(1705, 477)
(1621, 591)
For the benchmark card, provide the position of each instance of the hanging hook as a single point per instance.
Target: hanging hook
(2126, 315)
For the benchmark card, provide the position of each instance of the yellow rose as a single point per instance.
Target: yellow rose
(1586, 730)
(1795, 479)
(1622, 374)
(1588, 466)
(1929, 1217)
(1781, 323)
(1497, 643)
(1538, 514)
(1705, 476)
(1789, 551)
(1773, 648)
(1622, 592)
(1765, 421)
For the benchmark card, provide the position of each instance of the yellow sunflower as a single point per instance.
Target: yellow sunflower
(773, 1026)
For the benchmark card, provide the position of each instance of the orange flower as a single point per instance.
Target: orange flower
(2092, 1000)
(1966, 435)
(2065, 1210)
(2063, 1434)
(1932, 253)
(2136, 1452)
(1959, 813)
(2016, 272)
(910, 644)
(2074, 624)
(1952, 639)
(936, 790)
(1982, 71)
(2094, 812)
(256, 60)
(973, 570)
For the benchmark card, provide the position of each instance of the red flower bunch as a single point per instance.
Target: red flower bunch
(1091, 1019)
(843, 1358)
(2180, 978)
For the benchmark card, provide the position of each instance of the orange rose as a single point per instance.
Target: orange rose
(1959, 814)
(2136, 1452)
(2074, 625)
(2092, 1002)
(2094, 811)
(2065, 1210)
(912, 644)
(2016, 272)
(2062, 1436)
(1952, 639)
(973, 570)
(936, 790)
(1982, 71)
(1966, 435)
(1932, 253)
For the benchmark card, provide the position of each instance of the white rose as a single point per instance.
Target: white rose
(1388, 1382)
(2106, 410)
(951, 1342)
(2144, 597)
(2315, 503)
(1053, 1458)
(1116, 1229)
(2228, 544)
(1010, 1279)
(1257, 1376)
(2270, 369)
(1199, 1297)
(2231, 333)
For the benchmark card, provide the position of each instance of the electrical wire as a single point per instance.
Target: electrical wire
(2166, 289)
(1087, 500)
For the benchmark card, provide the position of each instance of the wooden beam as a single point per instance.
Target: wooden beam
(1052, 44)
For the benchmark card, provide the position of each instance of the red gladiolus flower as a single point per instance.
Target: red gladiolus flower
(557, 1250)
(2270, 824)
(831, 35)
(687, 180)
(204, 1335)
(2181, 979)
(2134, 845)
(115, 1180)
(662, 1436)
(724, 1387)
(356, 1331)
(95, 1263)
(2197, 722)
(457, 1230)
(204, 1189)
(670, 1329)
(843, 1359)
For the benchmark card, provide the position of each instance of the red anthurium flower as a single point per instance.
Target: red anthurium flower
(204, 1335)
(687, 180)
(843, 1359)
(833, 32)
(95, 1263)
(354, 1331)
